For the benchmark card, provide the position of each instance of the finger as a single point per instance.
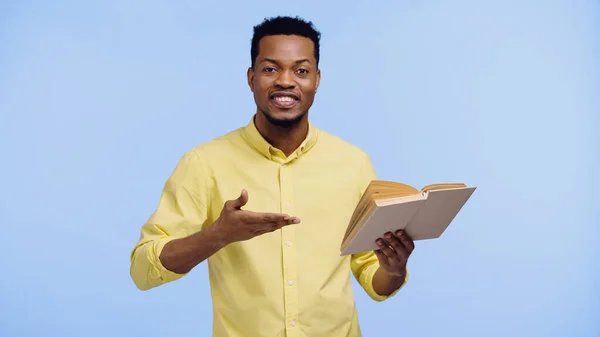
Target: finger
(276, 225)
(395, 243)
(262, 218)
(406, 241)
(401, 255)
(385, 249)
(252, 217)
(239, 201)
(382, 258)
(268, 227)
(399, 252)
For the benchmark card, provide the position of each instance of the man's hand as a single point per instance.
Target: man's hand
(394, 252)
(235, 224)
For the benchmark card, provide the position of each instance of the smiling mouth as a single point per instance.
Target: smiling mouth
(284, 101)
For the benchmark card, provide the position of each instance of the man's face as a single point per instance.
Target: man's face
(285, 78)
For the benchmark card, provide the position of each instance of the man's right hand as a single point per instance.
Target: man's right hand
(235, 224)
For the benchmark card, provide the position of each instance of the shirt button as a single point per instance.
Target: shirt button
(287, 203)
(291, 283)
(288, 243)
(293, 323)
(284, 165)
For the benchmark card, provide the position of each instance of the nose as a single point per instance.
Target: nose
(285, 80)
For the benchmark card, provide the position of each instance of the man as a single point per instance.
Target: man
(267, 206)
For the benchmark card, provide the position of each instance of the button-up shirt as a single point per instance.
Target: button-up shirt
(290, 282)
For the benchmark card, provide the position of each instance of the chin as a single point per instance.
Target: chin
(284, 118)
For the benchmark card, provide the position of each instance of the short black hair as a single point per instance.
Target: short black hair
(285, 25)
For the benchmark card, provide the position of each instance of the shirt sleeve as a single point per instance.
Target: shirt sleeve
(181, 211)
(364, 265)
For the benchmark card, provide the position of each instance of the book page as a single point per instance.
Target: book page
(437, 213)
(386, 218)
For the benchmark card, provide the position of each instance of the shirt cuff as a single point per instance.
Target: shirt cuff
(366, 279)
(158, 271)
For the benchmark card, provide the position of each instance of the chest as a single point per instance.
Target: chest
(322, 192)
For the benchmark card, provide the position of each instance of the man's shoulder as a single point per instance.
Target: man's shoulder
(222, 145)
(339, 146)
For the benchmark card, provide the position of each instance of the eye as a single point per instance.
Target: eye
(268, 69)
(303, 71)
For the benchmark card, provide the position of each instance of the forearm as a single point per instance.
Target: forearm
(182, 255)
(385, 284)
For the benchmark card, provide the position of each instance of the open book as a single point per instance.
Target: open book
(389, 206)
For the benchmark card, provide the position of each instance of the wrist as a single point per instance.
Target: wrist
(396, 274)
(386, 282)
(211, 235)
(218, 235)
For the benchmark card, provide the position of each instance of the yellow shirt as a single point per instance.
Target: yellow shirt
(291, 282)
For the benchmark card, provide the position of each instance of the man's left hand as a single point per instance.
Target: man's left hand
(394, 251)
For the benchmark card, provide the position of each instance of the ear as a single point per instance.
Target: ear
(318, 81)
(250, 76)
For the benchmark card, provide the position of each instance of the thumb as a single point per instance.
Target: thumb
(241, 200)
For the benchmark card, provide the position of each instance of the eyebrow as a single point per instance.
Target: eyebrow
(266, 59)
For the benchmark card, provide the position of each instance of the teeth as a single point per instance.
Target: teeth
(284, 99)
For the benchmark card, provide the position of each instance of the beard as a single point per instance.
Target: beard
(283, 123)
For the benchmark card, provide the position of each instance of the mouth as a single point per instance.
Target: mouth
(284, 100)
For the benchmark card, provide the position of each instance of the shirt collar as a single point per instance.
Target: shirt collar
(254, 138)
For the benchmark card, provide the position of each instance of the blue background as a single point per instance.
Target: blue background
(99, 99)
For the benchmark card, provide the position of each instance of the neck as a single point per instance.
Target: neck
(286, 139)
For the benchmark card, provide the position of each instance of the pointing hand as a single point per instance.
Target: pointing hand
(236, 224)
